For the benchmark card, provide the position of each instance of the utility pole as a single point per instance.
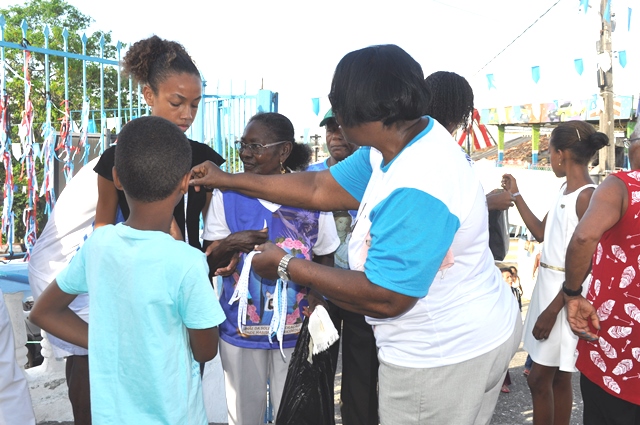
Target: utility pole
(316, 147)
(607, 155)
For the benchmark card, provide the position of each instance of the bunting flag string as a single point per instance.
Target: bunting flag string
(5, 149)
(83, 146)
(26, 138)
(48, 157)
(65, 143)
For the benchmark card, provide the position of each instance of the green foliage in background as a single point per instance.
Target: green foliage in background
(58, 15)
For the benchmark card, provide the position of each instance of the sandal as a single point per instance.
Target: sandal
(505, 389)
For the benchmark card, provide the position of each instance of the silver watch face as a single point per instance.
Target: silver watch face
(283, 274)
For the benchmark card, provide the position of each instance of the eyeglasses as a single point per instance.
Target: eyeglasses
(628, 142)
(255, 148)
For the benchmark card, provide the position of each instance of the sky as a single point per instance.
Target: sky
(292, 47)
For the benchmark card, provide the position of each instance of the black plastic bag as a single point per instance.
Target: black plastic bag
(499, 234)
(307, 398)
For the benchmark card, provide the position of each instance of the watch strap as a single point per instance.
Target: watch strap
(571, 292)
(284, 265)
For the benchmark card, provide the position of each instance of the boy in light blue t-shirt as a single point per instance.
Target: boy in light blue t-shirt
(154, 314)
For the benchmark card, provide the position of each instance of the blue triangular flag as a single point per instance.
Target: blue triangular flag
(629, 19)
(535, 74)
(579, 66)
(315, 102)
(622, 57)
(607, 11)
(584, 4)
(490, 81)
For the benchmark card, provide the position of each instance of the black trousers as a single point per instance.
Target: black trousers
(602, 408)
(359, 394)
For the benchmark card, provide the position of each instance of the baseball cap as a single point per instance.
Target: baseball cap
(326, 118)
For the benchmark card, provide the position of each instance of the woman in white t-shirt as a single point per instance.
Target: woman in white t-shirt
(421, 268)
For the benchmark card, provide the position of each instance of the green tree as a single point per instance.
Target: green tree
(57, 15)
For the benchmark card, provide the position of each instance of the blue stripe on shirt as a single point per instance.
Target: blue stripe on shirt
(353, 173)
(411, 232)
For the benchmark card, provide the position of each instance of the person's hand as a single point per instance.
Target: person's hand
(206, 174)
(230, 268)
(544, 324)
(509, 184)
(246, 240)
(315, 299)
(580, 313)
(499, 200)
(266, 263)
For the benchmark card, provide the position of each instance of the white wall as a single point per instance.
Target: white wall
(538, 188)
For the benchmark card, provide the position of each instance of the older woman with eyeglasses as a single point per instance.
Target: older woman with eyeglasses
(234, 225)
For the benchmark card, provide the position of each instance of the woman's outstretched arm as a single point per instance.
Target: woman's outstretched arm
(313, 190)
(533, 223)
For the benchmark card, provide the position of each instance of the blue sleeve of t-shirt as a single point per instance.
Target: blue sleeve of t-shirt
(411, 232)
(197, 303)
(353, 173)
(73, 278)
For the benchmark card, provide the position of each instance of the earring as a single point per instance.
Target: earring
(282, 170)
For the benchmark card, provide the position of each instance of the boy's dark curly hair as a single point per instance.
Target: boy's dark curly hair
(152, 156)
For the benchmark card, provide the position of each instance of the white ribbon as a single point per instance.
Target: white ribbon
(242, 290)
(279, 318)
(240, 294)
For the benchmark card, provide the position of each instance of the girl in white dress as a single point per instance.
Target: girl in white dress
(547, 336)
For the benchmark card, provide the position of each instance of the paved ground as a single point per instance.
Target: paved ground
(513, 408)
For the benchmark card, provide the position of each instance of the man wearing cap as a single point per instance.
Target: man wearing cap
(359, 397)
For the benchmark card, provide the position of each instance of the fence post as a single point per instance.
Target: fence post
(119, 118)
(103, 115)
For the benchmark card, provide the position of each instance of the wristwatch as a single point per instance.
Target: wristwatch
(282, 267)
(571, 292)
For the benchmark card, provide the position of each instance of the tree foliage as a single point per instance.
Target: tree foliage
(57, 15)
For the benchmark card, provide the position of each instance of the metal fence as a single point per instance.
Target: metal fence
(225, 117)
(86, 133)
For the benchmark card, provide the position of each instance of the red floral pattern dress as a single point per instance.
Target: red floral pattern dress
(613, 362)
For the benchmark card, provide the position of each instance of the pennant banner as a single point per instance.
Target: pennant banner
(607, 11)
(584, 4)
(629, 19)
(622, 57)
(316, 105)
(535, 74)
(490, 81)
(579, 66)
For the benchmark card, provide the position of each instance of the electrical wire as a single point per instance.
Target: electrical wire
(521, 34)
